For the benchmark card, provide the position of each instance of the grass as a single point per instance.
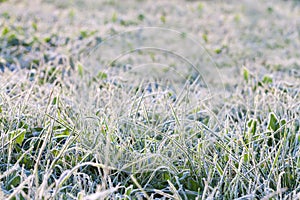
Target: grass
(68, 132)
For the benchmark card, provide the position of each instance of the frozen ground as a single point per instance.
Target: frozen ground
(205, 105)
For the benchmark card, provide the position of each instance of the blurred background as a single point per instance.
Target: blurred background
(261, 35)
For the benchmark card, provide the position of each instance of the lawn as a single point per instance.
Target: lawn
(141, 99)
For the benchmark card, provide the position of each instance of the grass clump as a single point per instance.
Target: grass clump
(130, 145)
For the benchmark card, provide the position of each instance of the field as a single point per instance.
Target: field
(141, 99)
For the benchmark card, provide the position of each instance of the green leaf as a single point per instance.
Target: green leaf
(183, 35)
(80, 69)
(267, 80)
(5, 15)
(270, 9)
(200, 7)
(13, 182)
(5, 31)
(21, 137)
(204, 37)
(163, 19)
(141, 17)
(282, 122)
(102, 75)
(72, 14)
(273, 123)
(281, 134)
(152, 56)
(47, 39)
(34, 26)
(84, 34)
(129, 190)
(252, 124)
(55, 152)
(246, 74)
(246, 157)
(237, 18)
(114, 17)
(13, 40)
(218, 51)
(219, 168)
(54, 101)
